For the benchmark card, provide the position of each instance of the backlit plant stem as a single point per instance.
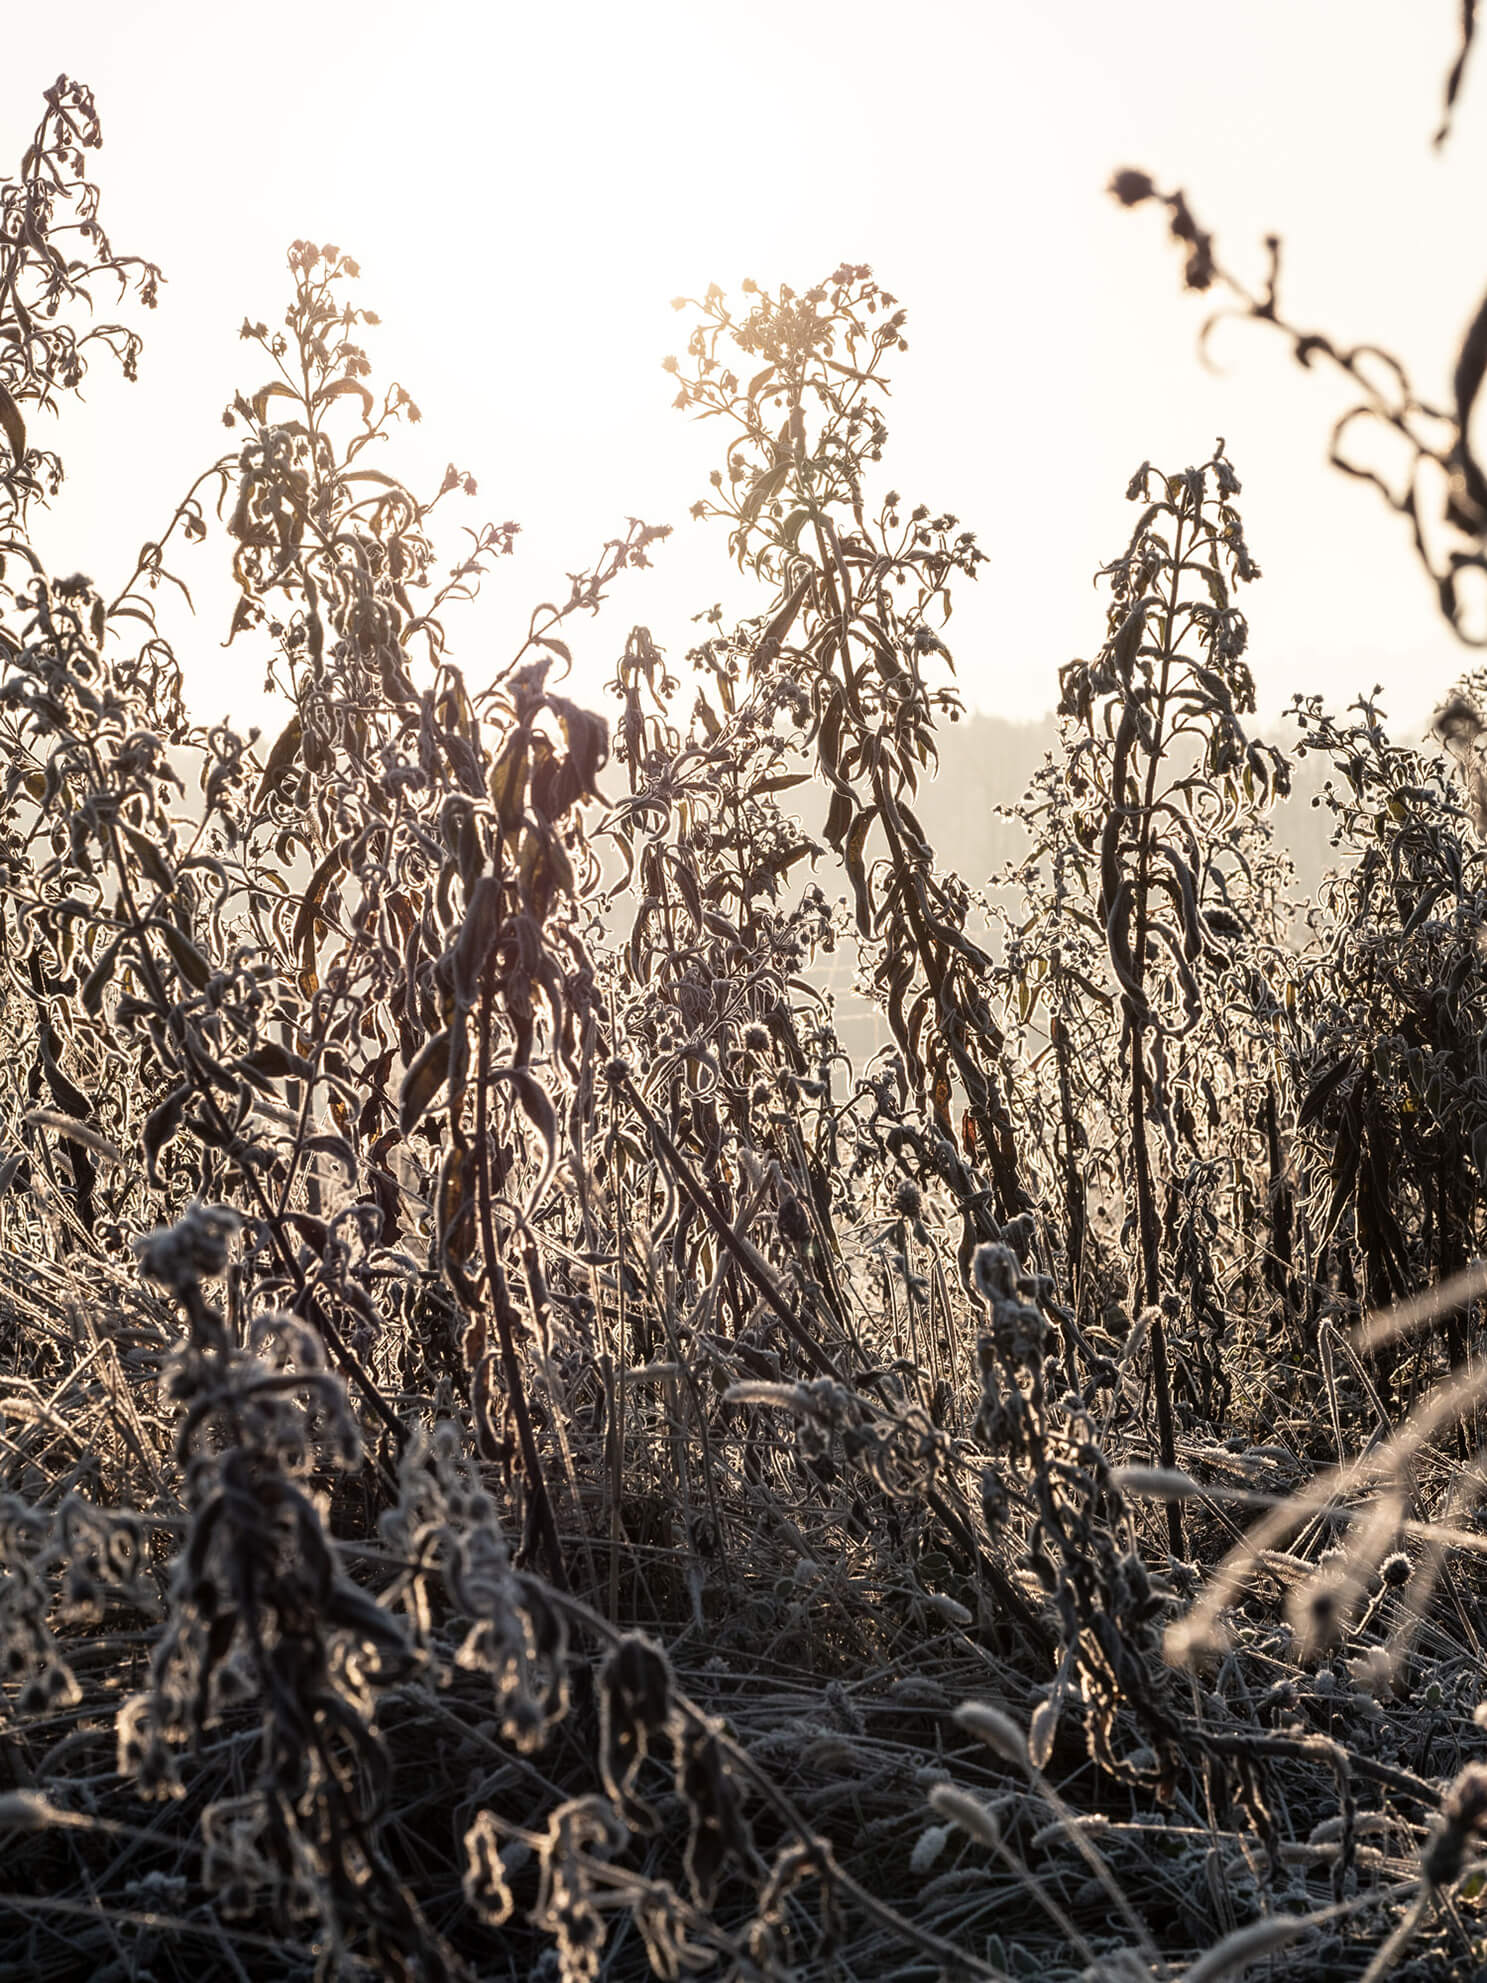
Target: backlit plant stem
(502, 1308)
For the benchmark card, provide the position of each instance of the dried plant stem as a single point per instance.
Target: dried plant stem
(1146, 1219)
(503, 1310)
(1148, 1225)
(757, 1271)
(270, 1225)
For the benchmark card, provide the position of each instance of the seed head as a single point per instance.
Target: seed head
(908, 1199)
(1131, 187)
(997, 1730)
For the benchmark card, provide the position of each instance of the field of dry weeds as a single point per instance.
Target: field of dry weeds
(520, 1457)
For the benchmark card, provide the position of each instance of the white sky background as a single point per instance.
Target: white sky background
(526, 187)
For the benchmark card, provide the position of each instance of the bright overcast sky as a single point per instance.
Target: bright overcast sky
(526, 187)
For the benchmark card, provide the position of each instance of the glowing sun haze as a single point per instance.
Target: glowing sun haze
(526, 187)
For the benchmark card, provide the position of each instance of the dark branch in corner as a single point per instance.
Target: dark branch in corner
(1436, 438)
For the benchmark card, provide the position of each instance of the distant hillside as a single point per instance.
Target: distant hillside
(987, 763)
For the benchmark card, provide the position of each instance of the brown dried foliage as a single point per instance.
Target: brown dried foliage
(514, 1448)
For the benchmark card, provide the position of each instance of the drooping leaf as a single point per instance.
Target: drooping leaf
(545, 872)
(476, 940)
(537, 1107)
(852, 855)
(691, 894)
(508, 783)
(336, 1147)
(304, 923)
(13, 425)
(97, 980)
(426, 1075)
(454, 1225)
(764, 487)
(275, 389)
(341, 387)
(587, 738)
(281, 761)
(160, 1125)
(153, 864)
(1319, 1091)
(189, 961)
(81, 1133)
(782, 862)
(272, 1062)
